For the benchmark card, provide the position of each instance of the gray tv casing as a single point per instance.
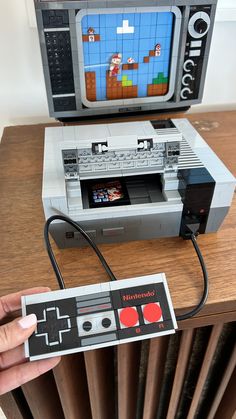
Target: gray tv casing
(181, 50)
(162, 217)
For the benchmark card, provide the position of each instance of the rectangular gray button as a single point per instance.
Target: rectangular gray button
(91, 233)
(98, 339)
(116, 231)
(93, 296)
(93, 302)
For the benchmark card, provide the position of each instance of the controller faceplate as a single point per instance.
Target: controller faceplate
(95, 316)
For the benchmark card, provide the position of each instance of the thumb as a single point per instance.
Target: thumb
(16, 332)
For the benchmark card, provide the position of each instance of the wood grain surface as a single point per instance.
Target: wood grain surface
(24, 262)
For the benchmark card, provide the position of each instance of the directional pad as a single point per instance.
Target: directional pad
(52, 326)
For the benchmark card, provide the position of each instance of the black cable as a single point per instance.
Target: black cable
(206, 284)
(106, 266)
(84, 234)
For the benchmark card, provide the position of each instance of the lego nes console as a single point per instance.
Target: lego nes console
(133, 180)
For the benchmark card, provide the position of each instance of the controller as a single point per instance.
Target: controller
(94, 316)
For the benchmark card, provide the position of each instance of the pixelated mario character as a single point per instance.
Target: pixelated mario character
(157, 50)
(115, 65)
(130, 60)
(91, 33)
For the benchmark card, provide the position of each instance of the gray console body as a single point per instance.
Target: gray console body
(149, 160)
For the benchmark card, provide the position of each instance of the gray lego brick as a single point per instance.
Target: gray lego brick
(215, 219)
(92, 296)
(66, 4)
(91, 303)
(98, 339)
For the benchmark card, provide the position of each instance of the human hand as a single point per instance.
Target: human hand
(14, 368)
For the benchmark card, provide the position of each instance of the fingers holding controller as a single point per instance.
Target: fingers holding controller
(16, 332)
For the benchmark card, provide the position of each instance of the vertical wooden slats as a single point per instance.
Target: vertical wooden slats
(100, 376)
(216, 331)
(128, 356)
(142, 378)
(181, 367)
(10, 407)
(155, 370)
(71, 381)
(169, 373)
(42, 397)
(227, 408)
(223, 385)
(150, 376)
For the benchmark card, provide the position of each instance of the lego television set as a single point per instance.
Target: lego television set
(102, 58)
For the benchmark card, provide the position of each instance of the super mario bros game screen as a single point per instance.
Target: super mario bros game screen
(124, 55)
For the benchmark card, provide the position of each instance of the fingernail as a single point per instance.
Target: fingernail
(28, 321)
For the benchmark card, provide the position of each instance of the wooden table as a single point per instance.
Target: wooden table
(24, 262)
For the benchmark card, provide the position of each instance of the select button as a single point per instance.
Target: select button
(87, 326)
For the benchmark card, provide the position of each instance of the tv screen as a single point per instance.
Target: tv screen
(127, 57)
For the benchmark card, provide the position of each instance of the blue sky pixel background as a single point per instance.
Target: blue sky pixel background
(149, 29)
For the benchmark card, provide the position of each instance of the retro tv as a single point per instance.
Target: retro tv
(102, 58)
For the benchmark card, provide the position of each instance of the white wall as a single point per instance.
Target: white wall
(22, 90)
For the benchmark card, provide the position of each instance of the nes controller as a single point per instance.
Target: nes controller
(95, 316)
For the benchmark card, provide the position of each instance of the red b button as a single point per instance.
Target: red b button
(152, 313)
(128, 317)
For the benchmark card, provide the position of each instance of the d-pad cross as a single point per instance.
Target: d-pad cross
(52, 326)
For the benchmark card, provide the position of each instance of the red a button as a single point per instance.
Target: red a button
(152, 312)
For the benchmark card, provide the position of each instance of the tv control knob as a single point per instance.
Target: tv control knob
(199, 24)
(187, 78)
(188, 65)
(184, 94)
